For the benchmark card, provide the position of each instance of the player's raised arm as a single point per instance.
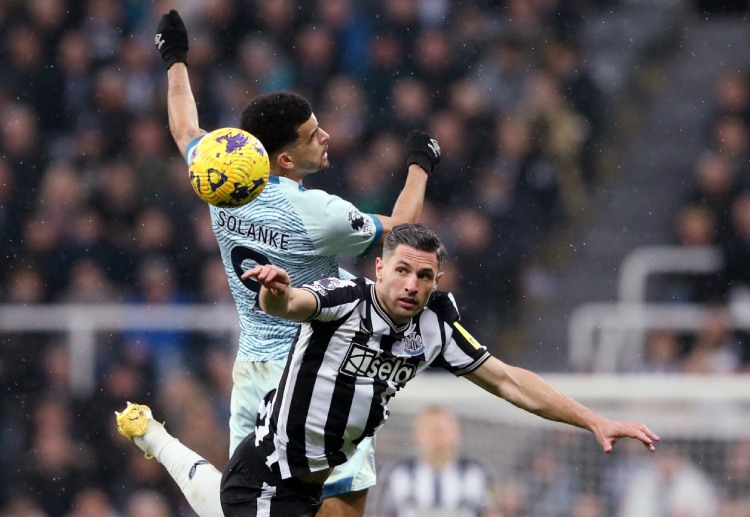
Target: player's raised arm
(422, 155)
(277, 296)
(530, 392)
(172, 42)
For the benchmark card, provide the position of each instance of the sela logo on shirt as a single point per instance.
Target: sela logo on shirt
(361, 360)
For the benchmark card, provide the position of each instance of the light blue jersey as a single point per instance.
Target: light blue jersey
(296, 229)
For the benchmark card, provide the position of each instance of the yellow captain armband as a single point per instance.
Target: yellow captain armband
(467, 336)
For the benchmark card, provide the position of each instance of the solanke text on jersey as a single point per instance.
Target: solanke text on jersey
(267, 236)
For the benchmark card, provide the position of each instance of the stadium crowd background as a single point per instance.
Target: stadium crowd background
(95, 205)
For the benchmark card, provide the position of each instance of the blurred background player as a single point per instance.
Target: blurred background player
(309, 228)
(437, 481)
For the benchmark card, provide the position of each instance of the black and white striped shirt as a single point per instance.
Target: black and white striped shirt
(347, 361)
(415, 489)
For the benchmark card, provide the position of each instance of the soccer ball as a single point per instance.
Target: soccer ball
(229, 167)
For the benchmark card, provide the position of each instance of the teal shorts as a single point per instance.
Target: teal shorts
(252, 380)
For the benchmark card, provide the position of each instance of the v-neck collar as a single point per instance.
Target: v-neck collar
(398, 329)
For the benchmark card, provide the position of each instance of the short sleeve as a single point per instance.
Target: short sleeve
(191, 149)
(335, 297)
(335, 226)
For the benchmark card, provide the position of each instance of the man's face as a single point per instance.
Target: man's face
(310, 151)
(436, 435)
(405, 280)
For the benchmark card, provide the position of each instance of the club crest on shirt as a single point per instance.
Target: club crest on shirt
(360, 223)
(413, 344)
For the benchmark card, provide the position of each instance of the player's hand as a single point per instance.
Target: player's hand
(422, 149)
(172, 39)
(271, 277)
(613, 430)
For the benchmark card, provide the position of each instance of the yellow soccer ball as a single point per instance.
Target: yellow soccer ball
(229, 167)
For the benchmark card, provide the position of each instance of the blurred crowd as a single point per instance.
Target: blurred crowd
(95, 205)
(691, 478)
(713, 213)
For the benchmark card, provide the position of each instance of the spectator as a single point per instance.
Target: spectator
(729, 138)
(716, 350)
(695, 229)
(671, 485)
(715, 185)
(438, 480)
(731, 96)
(93, 502)
(662, 353)
(550, 484)
(147, 503)
(735, 483)
(157, 285)
(565, 60)
(22, 504)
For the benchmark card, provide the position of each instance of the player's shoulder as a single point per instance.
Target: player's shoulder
(332, 292)
(444, 305)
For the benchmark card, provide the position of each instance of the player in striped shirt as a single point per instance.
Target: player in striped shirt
(437, 481)
(359, 344)
(300, 230)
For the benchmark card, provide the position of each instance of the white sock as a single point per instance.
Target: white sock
(197, 478)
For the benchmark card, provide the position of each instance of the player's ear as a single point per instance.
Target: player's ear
(437, 280)
(285, 160)
(379, 268)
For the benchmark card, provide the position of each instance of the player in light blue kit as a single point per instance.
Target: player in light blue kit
(296, 229)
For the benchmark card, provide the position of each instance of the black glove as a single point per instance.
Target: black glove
(422, 150)
(172, 39)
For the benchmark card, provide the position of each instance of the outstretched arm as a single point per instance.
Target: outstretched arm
(277, 296)
(422, 155)
(183, 113)
(172, 42)
(530, 392)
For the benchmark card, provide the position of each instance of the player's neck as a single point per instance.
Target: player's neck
(292, 175)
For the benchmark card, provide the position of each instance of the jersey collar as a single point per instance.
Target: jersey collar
(272, 178)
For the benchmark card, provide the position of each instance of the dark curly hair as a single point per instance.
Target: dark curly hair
(274, 119)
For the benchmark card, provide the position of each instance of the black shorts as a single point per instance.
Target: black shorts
(250, 488)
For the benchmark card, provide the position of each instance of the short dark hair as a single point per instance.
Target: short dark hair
(416, 236)
(274, 119)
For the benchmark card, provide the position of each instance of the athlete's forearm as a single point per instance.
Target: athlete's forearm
(181, 107)
(274, 302)
(528, 391)
(289, 303)
(408, 206)
(536, 395)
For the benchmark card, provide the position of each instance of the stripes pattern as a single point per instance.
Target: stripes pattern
(415, 489)
(346, 364)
